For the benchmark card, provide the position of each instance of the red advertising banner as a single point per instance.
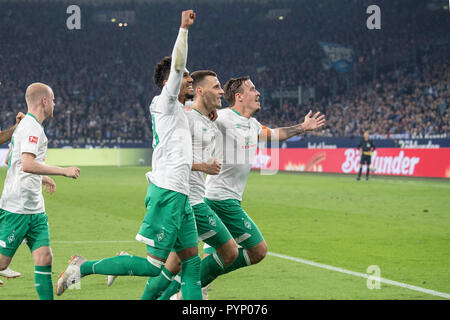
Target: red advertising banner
(385, 161)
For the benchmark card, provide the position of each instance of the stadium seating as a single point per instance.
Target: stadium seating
(102, 74)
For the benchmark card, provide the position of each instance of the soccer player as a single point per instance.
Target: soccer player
(241, 132)
(5, 136)
(22, 210)
(169, 222)
(211, 230)
(368, 147)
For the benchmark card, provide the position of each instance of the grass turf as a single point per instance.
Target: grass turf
(401, 225)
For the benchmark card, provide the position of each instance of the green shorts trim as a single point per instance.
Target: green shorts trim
(211, 229)
(168, 224)
(14, 228)
(241, 226)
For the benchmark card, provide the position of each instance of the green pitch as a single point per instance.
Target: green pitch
(400, 225)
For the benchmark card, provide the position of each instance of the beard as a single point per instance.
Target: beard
(189, 96)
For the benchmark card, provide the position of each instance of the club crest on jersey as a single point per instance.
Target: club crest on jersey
(247, 224)
(11, 238)
(212, 221)
(161, 235)
(33, 139)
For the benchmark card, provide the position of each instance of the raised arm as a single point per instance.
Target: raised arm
(179, 54)
(311, 123)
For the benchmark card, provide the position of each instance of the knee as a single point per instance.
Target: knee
(44, 258)
(47, 259)
(175, 268)
(257, 253)
(228, 256)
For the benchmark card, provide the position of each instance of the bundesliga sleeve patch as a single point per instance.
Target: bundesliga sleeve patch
(33, 139)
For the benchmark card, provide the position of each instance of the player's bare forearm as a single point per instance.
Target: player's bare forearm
(288, 132)
(198, 166)
(311, 123)
(7, 134)
(281, 134)
(30, 165)
(211, 168)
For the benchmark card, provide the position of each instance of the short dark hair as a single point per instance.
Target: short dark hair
(162, 71)
(233, 86)
(200, 75)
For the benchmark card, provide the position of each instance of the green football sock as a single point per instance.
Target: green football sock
(156, 286)
(190, 278)
(173, 288)
(211, 267)
(43, 282)
(121, 266)
(209, 272)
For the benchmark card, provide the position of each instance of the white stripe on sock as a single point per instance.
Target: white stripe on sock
(167, 277)
(246, 257)
(155, 262)
(41, 272)
(216, 257)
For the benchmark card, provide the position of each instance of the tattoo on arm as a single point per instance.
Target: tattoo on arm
(292, 131)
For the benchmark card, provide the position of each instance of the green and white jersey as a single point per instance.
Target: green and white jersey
(203, 132)
(237, 149)
(172, 143)
(22, 192)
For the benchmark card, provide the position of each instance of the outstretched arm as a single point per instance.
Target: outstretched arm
(311, 123)
(30, 165)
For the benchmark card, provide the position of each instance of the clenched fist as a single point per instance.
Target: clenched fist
(187, 19)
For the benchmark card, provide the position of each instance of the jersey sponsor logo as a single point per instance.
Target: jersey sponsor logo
(33, 139)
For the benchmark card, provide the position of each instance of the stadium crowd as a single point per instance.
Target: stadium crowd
(102, 74)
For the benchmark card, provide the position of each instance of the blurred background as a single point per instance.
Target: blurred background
(393, 82)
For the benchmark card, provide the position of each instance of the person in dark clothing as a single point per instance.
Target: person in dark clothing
(368, 147)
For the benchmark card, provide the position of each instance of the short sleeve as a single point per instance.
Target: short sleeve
(259, 126)
(30, 140)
